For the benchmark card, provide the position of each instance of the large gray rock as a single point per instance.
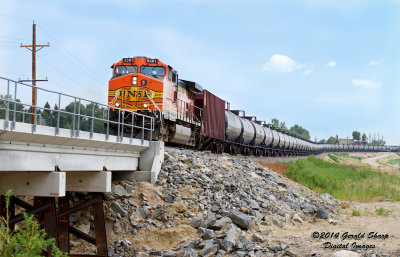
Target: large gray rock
(195, 222)
(170, 254)
(221, 223)
(321, 213)
(207, 234)
(277, 222)
(231, 238)
(119, 209)
(189, 252)
(208, 222)
(209, 250)
(119, 191)
(240, 219)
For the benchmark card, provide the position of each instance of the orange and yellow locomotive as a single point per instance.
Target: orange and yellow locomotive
(148, 86)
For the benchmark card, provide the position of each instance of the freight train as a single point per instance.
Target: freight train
(186, 114)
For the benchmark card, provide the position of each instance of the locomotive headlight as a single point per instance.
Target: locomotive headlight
(117, 104)
(134, 80)
(145, 105)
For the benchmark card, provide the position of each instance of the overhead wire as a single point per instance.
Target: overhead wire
(15, 17)
(68, 77)
(69, 56)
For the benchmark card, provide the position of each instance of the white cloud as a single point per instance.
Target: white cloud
(366, 83)
(280, 63)
(331, 64)
(308, 72)
(373, 63)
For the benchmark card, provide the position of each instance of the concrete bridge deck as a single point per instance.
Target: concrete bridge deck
(41, 160)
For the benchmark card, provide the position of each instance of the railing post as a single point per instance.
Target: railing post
(151, 130)
(142, 129)
(15, 107)
(6, 120)
(35, 114)
(108, 123)
(73, 119)
(92, 125)
(119, 124)
(132, 128)
(79, 119)
(122, 126)
(59, 114)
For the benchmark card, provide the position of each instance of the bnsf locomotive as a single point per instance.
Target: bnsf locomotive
(187, 114)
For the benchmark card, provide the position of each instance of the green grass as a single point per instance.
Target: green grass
(394, 161)
(355, 213)
(334, 157)
(347, 156)
(346, 183)
(383, 212)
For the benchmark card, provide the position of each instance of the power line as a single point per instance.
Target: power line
(19, 74)
(17, 38)
(15, 17)
(78, 62)
(68, 77)
(79, 67)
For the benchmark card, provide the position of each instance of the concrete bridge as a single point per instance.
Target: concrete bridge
(47, 160)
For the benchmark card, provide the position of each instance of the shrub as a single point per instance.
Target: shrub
(27, 240)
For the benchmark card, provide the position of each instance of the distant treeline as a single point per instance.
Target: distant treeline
(295, 129)
(48, 116)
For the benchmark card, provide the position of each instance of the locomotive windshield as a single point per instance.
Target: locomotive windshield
(156, 71)
(125, 69)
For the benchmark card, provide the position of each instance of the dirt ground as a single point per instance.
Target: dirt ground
(383, 228)
(374, 225)
(379, 161)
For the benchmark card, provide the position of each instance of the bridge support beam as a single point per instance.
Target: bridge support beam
(33, 183)
(149, 165)
(89, 181)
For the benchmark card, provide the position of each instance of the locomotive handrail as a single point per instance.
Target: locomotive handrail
(13, 105)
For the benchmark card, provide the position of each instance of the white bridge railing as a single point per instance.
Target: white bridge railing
(78, 114)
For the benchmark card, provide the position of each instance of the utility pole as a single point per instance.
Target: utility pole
(34, 48)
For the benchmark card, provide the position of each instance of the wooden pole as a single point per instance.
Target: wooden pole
(34, 48)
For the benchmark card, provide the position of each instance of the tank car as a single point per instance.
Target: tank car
(187, 114)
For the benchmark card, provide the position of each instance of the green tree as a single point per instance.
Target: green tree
(378, 142)
(282, 126)
(19, 108)
(364, 137)
(27, 240)
(356, 135)
(300, 131)
(331, 140)
(275, 122)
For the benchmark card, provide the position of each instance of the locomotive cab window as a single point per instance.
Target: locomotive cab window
(174, 77)
(169, 73)
(157, 72)
(125, 69)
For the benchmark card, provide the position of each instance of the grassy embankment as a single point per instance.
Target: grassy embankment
(344, 182)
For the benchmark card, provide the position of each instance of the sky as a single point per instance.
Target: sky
(330, 66)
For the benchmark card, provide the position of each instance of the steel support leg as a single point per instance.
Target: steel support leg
(99, 225)
(48, 218)
(63, 223)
